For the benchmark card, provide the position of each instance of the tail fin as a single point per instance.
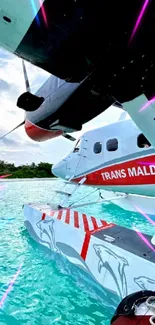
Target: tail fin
(26, 77)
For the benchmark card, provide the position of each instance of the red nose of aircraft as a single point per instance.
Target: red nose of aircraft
(37, 133)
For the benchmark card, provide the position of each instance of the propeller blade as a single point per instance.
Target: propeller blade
(27, 84)
(22, 123)
(69, 137)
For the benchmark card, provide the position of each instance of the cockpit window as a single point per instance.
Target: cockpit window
(142, 141)
(77, 146)
(97, 147)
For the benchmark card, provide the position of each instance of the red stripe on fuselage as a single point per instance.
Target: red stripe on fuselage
(140, 171)
(38, 134)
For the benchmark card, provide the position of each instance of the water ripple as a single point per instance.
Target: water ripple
(49, 290)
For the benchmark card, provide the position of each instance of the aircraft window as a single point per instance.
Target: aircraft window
(142, 141)
(7, 19)
(77, 146)
(97, 147)
(112, 144)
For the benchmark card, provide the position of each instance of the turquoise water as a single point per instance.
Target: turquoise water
(49, 290)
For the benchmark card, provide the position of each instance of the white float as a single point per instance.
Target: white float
(116, 257)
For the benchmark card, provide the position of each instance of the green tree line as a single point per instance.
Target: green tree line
(41, 170)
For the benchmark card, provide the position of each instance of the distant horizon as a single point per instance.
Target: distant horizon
(29, 179)
(33, 170)
(26, 164)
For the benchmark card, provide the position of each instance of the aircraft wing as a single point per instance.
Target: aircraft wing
(109, 44)
(70, 38)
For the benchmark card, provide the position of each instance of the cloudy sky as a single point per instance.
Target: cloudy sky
(17, 147)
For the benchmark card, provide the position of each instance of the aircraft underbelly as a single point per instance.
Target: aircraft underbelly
(70, 39)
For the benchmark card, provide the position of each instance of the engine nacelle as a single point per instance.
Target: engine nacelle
(66, 107)
(29, 102)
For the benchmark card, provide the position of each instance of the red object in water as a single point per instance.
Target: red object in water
(4, 176)
(132, 320)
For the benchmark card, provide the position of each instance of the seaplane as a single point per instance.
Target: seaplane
(118, 159)
(99, 66)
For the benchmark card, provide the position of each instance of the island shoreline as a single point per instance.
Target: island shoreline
(28, 179)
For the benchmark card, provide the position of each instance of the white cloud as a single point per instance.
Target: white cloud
(17, 147)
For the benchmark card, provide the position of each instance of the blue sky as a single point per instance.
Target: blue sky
(17, 147)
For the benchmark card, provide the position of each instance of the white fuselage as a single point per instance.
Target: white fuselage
(113, 158)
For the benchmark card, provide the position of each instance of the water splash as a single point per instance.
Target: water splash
(56, 320)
